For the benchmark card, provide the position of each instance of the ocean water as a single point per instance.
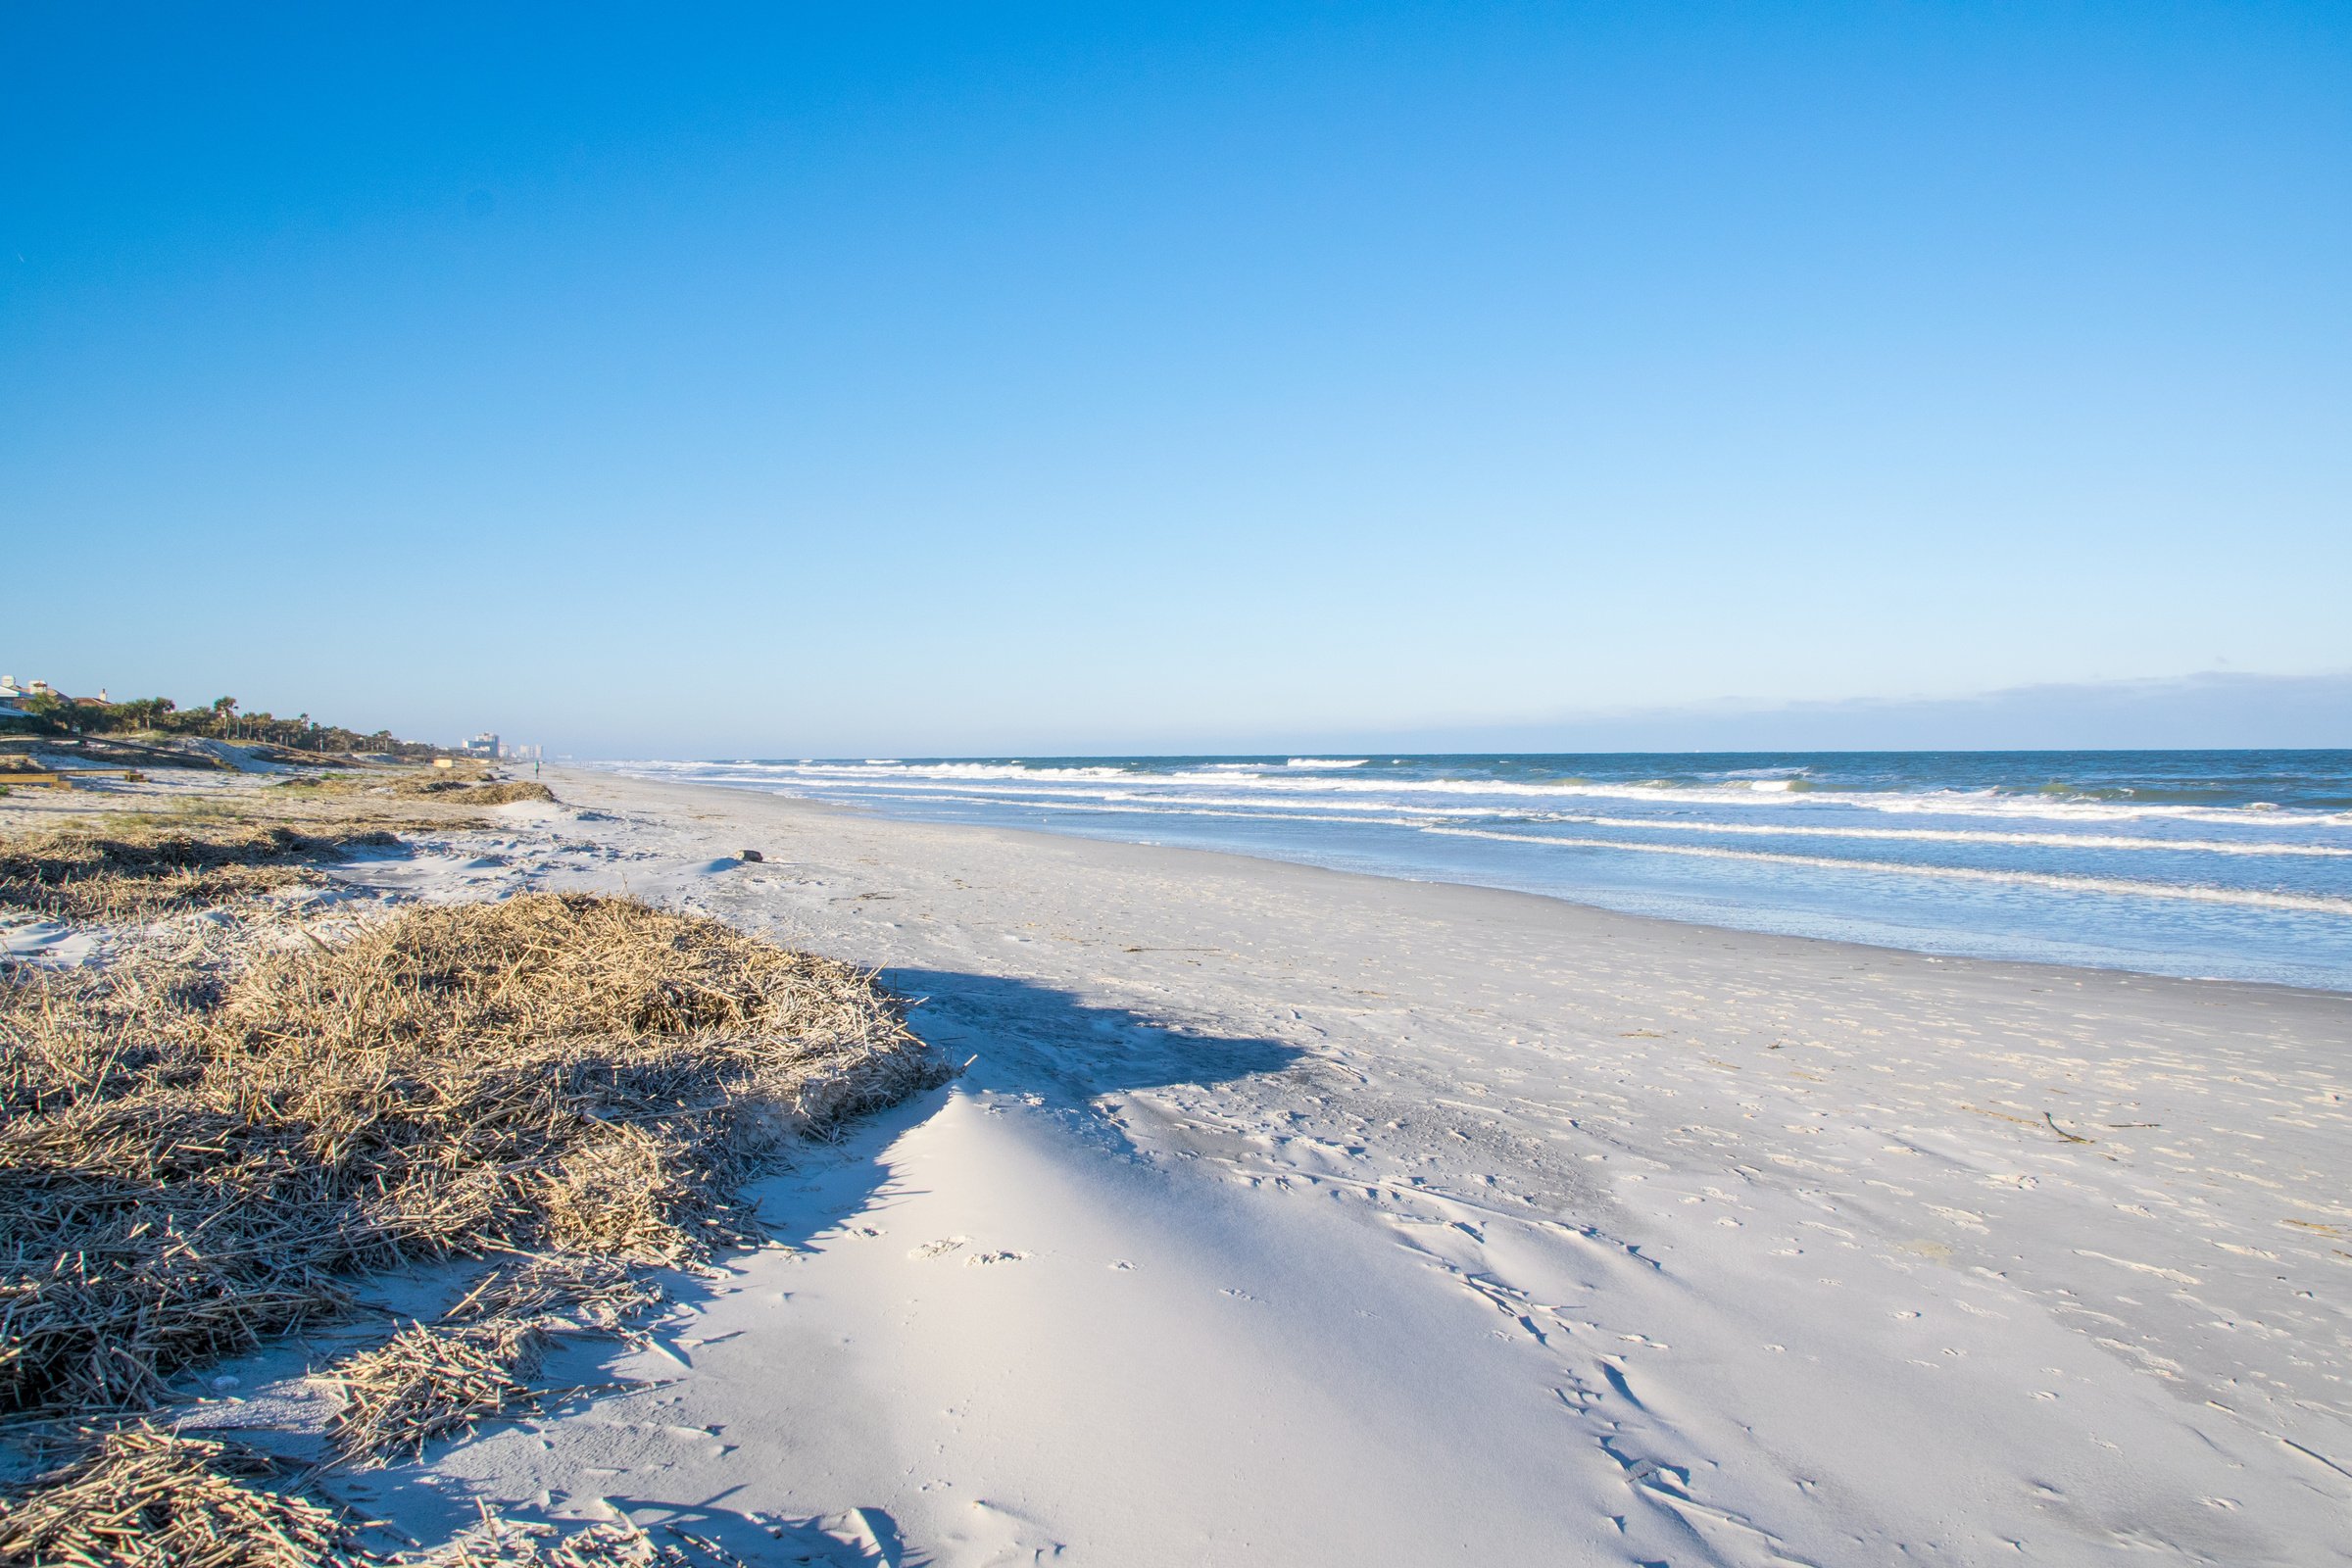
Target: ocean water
(2221, 864)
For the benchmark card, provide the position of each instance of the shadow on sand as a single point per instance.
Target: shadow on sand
(1043, 1047)
(1033, 1040)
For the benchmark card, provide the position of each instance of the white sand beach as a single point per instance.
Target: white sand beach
(1387, 785)
(1291, 1216)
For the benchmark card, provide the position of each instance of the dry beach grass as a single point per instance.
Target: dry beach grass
(492, 792)
(427, 1382)
(473, 787)
(142, 1498)
(205, 1140)
(131, 868)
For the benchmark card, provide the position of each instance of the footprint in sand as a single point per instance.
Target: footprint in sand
(981, 1260)
(940, 1248)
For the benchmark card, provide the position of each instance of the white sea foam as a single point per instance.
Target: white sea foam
(2249, 898)
(1189, 808)
(1768, 794)
(2063, 874)
(1137, 795)
(1930, 835)
(1456, 797)
(1118, 789)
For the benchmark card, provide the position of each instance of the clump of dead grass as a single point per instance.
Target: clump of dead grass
(189, 1168)
(504, 793)
(133, 867)
(446, 788)
(474, 791)
(505, 1544)
(563, 1290)
(141, 1497)
(428, 1382)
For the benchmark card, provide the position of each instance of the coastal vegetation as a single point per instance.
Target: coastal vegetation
(126, 869)
(475, 787)
(250, 1106)
(49, 713)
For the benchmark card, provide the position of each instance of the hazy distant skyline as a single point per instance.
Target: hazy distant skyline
(952, 380)
(2209, 711)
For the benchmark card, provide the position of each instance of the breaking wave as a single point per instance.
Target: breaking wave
(2203, 864)
(2252, 897)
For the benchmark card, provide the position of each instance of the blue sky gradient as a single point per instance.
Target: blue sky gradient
(790, 380)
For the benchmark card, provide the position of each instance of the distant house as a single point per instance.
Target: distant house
(14, 695)
(484, 745)
(12, 698)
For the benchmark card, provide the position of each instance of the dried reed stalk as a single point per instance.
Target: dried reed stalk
(473, 787)
(140, 1497)
(463, 792)
(426, 1383)
(200, 1145)
(503, 1544)
(558, 1291)
(189, 1168)
(136, 868)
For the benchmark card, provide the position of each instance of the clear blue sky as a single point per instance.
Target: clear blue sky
(898, 378)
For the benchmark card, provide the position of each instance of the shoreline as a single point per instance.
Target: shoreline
(1292, 1215)
(1792, 1246)
(1916, 857)
(2051, 967)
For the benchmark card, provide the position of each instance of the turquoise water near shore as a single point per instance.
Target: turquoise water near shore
(2221, 864)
